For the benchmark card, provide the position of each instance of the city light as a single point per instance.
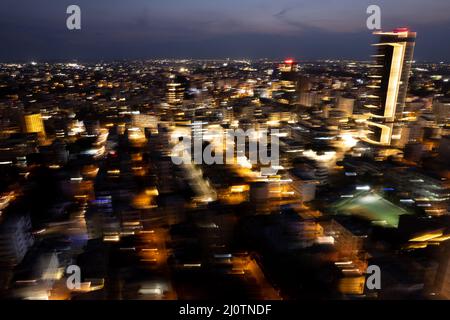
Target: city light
(306, 170)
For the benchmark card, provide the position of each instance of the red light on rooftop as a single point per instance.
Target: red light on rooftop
(400, 30)
(289, 61)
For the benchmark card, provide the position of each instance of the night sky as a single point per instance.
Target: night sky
(119, 29)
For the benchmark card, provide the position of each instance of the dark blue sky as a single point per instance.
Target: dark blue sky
(116, 29)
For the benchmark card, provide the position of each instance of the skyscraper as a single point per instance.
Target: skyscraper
(175, 93)
(33, 124)
(288, 68)
(176, 87)
(288, 81)
(389, 84)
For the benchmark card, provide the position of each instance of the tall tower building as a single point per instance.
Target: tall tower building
(175, 93)
(346, 104)
(33, 123)
(288, 67)
(176, 87)
(288, 81)
(389, 84)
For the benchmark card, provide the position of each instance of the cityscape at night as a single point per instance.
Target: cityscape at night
(273, 175)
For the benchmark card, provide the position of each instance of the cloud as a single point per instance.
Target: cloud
(28, 27)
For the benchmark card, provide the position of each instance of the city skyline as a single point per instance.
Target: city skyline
(288, 177)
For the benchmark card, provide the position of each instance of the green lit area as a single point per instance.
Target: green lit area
(372, 207)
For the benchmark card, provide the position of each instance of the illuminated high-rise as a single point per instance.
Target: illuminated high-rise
(175, 93)
(389, 84)
(288, 79)
(33, 123)
(176, 90)
(288, 67)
